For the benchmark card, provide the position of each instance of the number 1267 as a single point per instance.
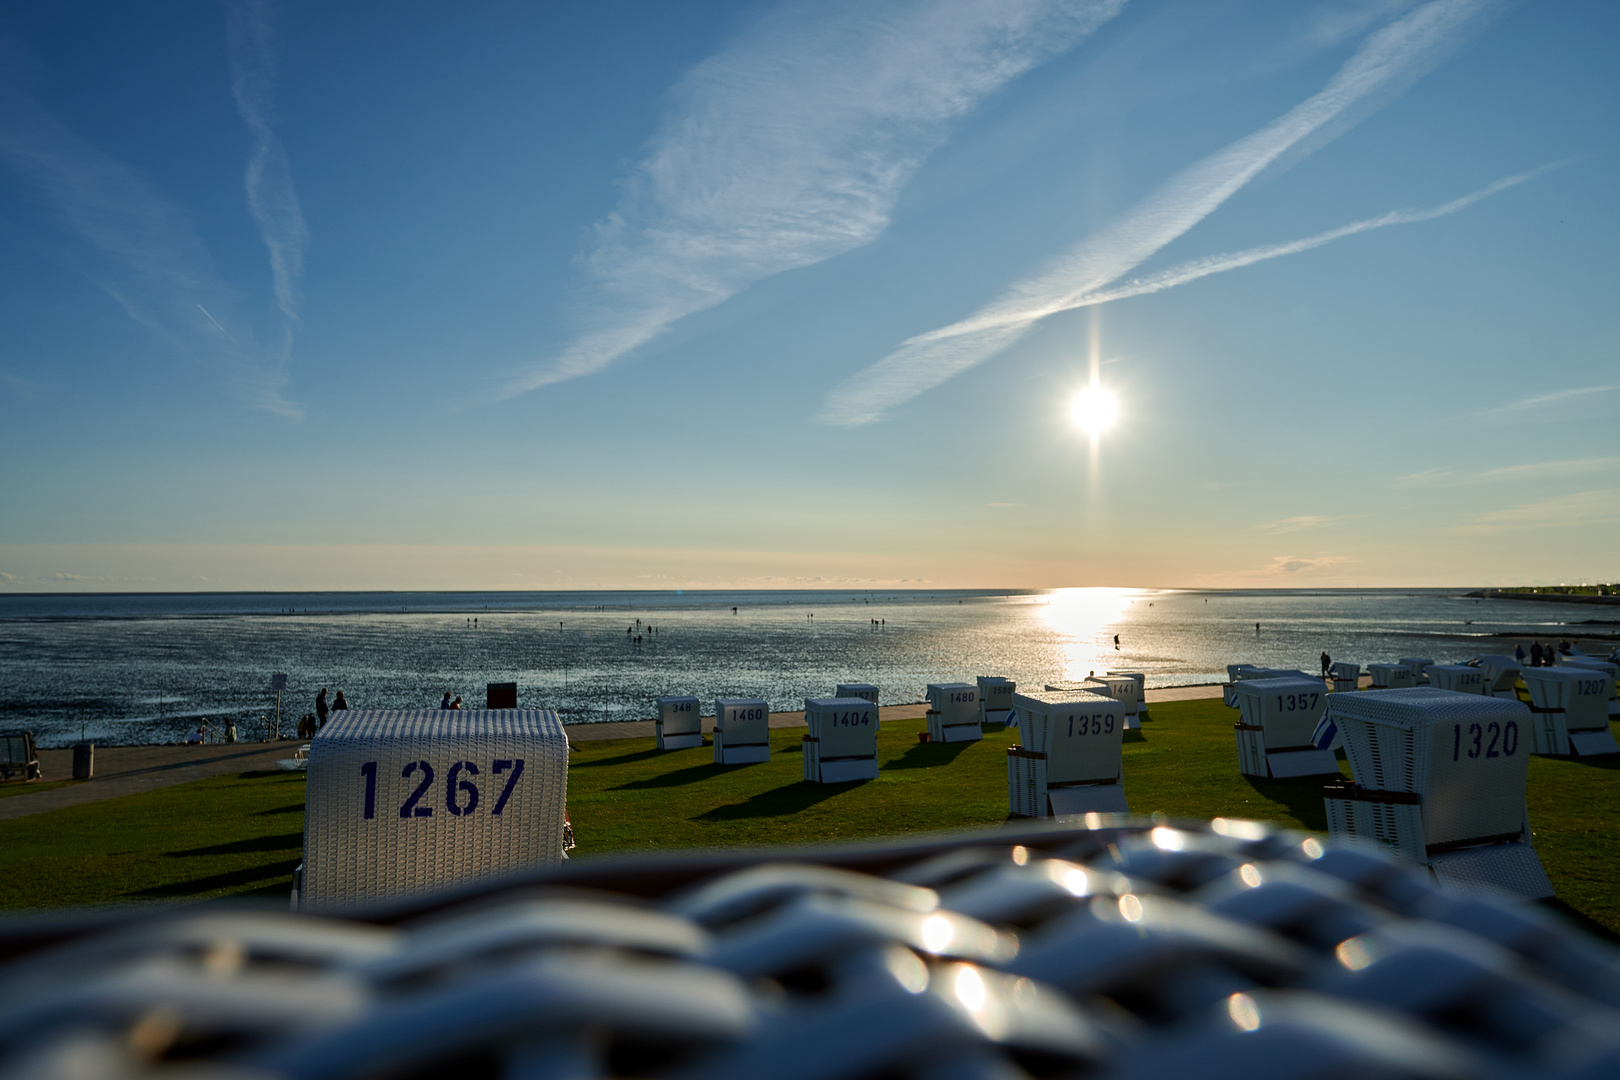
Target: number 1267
(461, 795)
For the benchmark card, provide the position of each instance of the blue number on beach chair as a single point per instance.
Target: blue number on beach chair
(499, 767)
(455, 784)
(410, 806)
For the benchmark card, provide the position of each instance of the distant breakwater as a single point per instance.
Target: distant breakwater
(1550, 598)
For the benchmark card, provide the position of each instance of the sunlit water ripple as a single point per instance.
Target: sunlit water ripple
(138, 669)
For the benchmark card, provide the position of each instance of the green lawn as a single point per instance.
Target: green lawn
(19, 787)
(241, 834)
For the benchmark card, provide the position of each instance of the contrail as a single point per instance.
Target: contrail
(1387, 62)
(1215, 264)
(216, 323)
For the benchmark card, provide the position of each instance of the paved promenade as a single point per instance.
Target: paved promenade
(128, 770)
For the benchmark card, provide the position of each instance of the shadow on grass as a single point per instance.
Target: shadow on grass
(284, 842)
(1301, 794)
(625, 759)
(779, 802)
(1585, 922)
(282, 870)
(290, 808)
(695, 774)
(1603, 761)
(1132, 735)
(260, 774)
(928, 755)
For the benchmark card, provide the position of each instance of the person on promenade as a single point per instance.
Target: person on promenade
(320, 706)
(195, 737)
(445, 704)
(1518, 654)
(1535, 654)
(230, 731)
(339, 702)
(1327, 664)
(456, 704)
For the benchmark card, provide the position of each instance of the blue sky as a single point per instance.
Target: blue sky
(652, 295)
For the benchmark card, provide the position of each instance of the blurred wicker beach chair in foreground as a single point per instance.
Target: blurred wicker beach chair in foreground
(1127, 950)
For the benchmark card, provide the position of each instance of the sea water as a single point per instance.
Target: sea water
(124, 669)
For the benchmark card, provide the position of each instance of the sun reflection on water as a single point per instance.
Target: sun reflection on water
(1082, 617)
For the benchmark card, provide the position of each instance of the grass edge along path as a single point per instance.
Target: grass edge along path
(241, 835)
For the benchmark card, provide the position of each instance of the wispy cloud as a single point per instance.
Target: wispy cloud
(1294, 564)
(1547, 399)
(1579, 508)
(790, 146)
(1533, 470)
(1304, 523)
(271, 197)
(1385, 64)
(134, 243)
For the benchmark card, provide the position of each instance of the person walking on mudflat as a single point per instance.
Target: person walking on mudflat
(320, 706)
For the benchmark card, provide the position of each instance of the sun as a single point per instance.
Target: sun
(1094, 409)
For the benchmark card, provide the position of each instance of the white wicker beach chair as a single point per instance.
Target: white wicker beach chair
(1501, 675)
(1346, 676)
(742, 731)
(680, 723)
(1125, 689)
(1069, 758)
(1458, 678)
(1420, 667)
(404, 801)
(1609, 667)
(1440, 780)
(1141, 691)
(1391, 676)
(995, 698)
(1278, 720)
(842, 742)
(953, 712)
(864, 691)
(1571, 706)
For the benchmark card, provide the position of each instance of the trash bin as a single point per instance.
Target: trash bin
(84, 760)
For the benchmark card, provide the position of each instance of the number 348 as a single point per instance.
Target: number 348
(461, 795)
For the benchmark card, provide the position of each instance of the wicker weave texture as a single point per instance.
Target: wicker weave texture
(405, 800)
